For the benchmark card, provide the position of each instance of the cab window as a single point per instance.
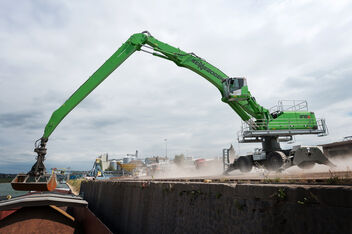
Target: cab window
(235, 84)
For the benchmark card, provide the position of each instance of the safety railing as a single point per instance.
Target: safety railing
(288, 127)
(281, 124)
(290, 105)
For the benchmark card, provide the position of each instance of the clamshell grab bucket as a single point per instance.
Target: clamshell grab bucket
(26, 182)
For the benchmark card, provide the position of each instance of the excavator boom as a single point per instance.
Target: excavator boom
(162, 50)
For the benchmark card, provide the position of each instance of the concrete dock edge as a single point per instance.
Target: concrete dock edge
(181, 207)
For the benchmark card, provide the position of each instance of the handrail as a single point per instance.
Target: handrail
(290, 105)
(290, 123)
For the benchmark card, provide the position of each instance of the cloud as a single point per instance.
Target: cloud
(286, 49)
(8, 120)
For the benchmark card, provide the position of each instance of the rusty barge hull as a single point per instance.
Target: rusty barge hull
(48, 213)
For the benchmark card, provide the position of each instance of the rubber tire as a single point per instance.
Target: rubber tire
(275, 161)
(244, 164)
(306, 165)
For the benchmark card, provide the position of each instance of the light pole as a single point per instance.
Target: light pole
(165, 148)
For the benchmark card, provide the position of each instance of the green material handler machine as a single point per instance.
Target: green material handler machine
(263, 125)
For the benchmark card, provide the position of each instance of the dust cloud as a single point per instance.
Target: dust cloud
(341, 163)
(214, 169)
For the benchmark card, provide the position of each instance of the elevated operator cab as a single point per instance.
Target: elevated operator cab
(233, 86)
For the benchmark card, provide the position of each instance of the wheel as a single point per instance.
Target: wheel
(275, 161)
(306, 165)
(244, 164)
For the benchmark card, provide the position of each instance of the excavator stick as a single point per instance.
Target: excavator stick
(36, 179)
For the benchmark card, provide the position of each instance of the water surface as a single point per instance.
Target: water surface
(6, 189)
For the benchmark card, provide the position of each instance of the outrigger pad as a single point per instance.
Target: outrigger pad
(25, 182)
(314, 154)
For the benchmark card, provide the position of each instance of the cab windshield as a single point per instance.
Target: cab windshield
(235, 84)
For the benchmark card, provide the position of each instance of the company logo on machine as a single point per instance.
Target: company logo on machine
(201, 66)
(304, 116)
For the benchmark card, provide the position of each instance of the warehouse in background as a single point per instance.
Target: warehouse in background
(339, 149)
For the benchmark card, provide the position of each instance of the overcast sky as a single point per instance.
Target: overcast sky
(286, 49)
